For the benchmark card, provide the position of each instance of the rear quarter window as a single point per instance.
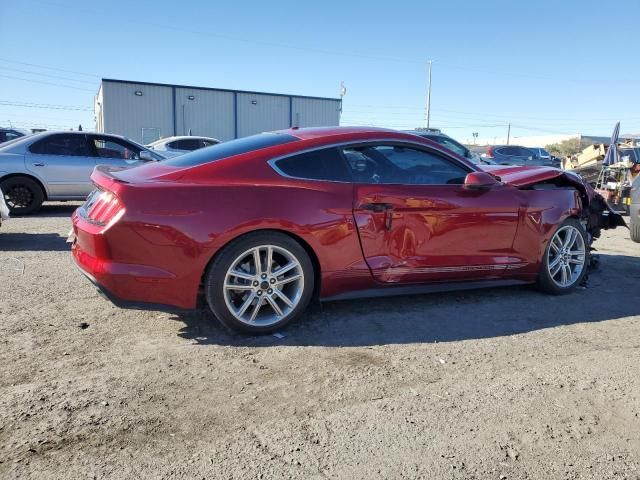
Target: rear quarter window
(327, 164)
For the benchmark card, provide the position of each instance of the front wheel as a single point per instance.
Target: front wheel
(565, 260)
(22, 195)
(260, 282)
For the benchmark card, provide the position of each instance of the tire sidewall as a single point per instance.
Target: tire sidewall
(38, 195)
(545, 282)
(216, 273)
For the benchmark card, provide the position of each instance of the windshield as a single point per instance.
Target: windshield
(229, 149)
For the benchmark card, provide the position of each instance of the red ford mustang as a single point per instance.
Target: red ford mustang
(259, 226)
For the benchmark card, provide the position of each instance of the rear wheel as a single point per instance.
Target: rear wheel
(260, 282)
(23, 195)
(565, 259)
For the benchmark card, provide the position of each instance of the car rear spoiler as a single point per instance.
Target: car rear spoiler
(104, 177)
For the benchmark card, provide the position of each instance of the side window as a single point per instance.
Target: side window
(508, 151)
(402, 165)
(325, 164)
(63, 144)
(526, 152)
(208, 143)
(453, 146)
(112, 148)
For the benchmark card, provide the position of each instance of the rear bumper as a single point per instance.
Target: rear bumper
(128, 285)
(128, 304)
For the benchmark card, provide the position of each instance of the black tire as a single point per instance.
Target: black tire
(217, 272)
(545, 281)
(23, 195)
(635, 231)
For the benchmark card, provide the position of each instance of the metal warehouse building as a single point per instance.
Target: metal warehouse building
(147, 111)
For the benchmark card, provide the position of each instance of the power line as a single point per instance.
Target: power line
(47, 83)
(49, 68)
(30, 72)
(45, 106)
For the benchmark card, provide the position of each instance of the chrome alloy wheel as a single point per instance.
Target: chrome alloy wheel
(263, 285)
(566, 256)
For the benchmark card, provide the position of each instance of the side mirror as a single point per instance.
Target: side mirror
(480, 181)
(145, 156)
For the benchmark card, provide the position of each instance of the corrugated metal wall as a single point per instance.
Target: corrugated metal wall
(312, 112)
(166, 110)
(126, 113)
(209, 113)
(261, 113)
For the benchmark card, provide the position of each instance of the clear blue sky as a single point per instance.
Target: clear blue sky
(545, 66)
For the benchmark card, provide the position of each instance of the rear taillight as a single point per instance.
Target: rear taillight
(102, 207)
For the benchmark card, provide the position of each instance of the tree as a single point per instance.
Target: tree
(566, 148)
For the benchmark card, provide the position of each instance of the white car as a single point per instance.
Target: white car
(4, 210)
(174, 146)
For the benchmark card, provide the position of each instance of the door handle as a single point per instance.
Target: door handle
(387, 208)
(39, 164)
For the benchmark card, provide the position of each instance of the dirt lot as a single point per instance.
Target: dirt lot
(505, 383)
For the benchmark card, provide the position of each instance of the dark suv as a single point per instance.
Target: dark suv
(448, 142)
(516, 155)
(7, 134)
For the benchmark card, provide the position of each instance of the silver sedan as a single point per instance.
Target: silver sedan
(57, 165)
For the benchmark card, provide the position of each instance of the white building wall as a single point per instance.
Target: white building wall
(209, 113)
(165, 110)
(314, 112)
(259, 113)
(131, 115)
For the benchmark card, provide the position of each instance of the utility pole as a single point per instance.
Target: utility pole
(508, 133)
(343, 92)
(430, 63)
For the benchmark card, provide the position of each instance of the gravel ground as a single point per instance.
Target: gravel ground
(501, 384)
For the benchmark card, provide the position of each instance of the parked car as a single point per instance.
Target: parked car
(8, 134)
(4, 210)
(57, 166)
(541, 152)
(634, 210)
(448, 142)
(262, 224)
(517, 155)
(174, 146)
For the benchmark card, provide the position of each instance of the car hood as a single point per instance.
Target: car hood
(521, 176)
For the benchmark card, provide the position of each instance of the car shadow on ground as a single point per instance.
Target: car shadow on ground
(32, 242)
(53, 210)
(445, 317)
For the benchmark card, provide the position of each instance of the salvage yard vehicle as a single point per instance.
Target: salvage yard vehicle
(445, 140)
(516, 155)
(57, 166)
(259, 226)
(8, 134)
(174, 146)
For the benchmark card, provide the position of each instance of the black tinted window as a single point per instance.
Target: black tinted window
(318, 165)
(229, 149)
(186, 144)
(507, 151)
(402, 165)
(62, 144)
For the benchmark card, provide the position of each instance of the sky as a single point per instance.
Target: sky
(545, 67)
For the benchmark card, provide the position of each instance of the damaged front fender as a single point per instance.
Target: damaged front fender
(595, 212)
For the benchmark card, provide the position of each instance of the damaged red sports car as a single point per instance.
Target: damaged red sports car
(258, 227)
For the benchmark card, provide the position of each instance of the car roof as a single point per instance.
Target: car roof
(309, 133)
(181, 137)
